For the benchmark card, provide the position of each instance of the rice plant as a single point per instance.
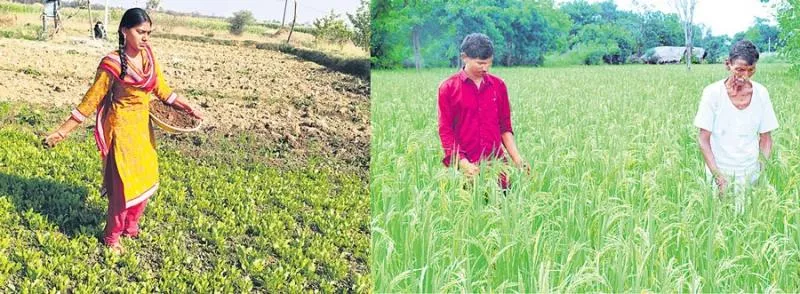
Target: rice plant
(617, 199)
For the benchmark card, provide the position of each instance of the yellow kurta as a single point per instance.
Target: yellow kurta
(127, 130)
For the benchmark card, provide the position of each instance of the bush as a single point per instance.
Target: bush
(649, 56)
(633, 59)
(695, 60)
(594, 57)
(239, 21)
(584, 54)
(332, 29)
(771, 57)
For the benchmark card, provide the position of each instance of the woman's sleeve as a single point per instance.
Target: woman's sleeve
(162, 90)
(94, 96)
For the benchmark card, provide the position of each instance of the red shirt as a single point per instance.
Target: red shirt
(472, 120)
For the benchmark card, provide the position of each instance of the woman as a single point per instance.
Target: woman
(121, 95)
(736, 118)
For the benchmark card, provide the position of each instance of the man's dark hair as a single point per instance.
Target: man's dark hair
(477, 45)
(744, 50)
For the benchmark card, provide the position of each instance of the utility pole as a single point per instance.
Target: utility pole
(285, 3)
(294, 18)
(105, 19)
(91, 22)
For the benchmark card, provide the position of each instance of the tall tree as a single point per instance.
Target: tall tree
(420, 33)
(331, 28)
(361, 25)
(153, 5)
(716, 46)
(790, 25)
(685, 9)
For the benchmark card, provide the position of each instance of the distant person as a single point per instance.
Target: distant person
(100, 31)
(736, 118)
(474, 113)
(121, 95)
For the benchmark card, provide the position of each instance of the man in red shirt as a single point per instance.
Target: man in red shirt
(474, 112)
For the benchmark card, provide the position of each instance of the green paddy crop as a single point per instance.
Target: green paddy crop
(616, 200)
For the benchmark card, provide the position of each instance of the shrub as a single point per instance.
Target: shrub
(332, 29)
(239, 21)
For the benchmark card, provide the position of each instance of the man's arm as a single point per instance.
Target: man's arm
(765, 144)
(506, 131)
(704, 140)
(447, 135)
(769, 123)
(511, 147)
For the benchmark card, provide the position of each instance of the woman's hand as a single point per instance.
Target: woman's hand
(184, 105)
(188, 109)
(51, 140)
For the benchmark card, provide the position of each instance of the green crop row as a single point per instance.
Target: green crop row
(211, 227)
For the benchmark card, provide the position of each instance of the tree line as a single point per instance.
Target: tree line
(416, 33)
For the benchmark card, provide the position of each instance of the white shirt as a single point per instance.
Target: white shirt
(734, 132)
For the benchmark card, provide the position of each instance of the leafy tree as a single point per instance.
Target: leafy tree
(615, 43)
(153, 4)
(239, 20)
(581, 13)
(361, 25)
(790, 31)
(717, 47)
(765, 36)
(332, 28)
(685, 10)
(429, 33)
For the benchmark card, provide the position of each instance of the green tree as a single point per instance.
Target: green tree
(153, 4)
(661, 29)
(239, 20)
(581, 13)
(685, 10)
(331, 28)
(765, 36)
(361, 25)
(790, 32)
(614, 44)
(717, 47)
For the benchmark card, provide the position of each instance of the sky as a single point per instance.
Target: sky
(307, 10)
(724, 17)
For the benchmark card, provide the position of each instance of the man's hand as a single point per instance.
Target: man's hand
(523, 165)
(469, 169)
(722, 183)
